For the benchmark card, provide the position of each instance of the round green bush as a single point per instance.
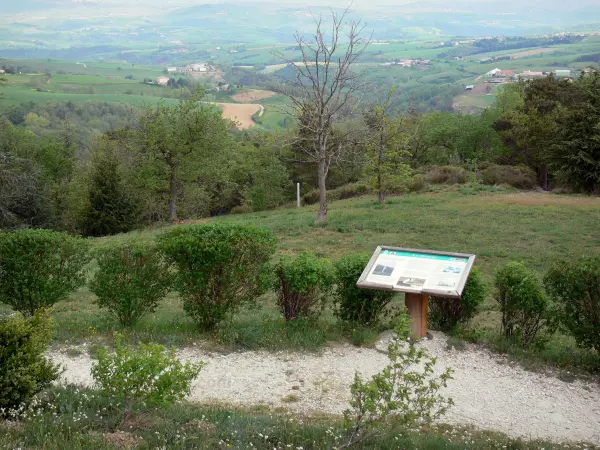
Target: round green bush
(303, 284)
(24, 371)
(575, 287)
(362, 306)
(219, 266)
(131, 279)
(446, 313)
(523, 303)
(39, 268)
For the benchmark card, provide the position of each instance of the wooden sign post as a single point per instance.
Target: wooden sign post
(419, 274)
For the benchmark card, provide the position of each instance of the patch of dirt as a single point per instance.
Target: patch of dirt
(540, 199)
(252, 95)
(241, 113)
(535, 51)
(122, 439)
(480, 89)
(489, 391)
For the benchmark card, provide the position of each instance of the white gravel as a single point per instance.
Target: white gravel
(489, 391)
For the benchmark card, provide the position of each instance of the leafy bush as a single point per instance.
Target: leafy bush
(520, 177)
(242, 209)
(39, 267)
(416, 183)
(347, 191)
(406, 393)
(303, 284)
(23, 369)
(575, 286)
(523, 304)
(147, 375)
(446, 175)
(219, 267)
(131, 279)
(446, 313)
(363, 306)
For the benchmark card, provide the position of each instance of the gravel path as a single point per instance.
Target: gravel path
(489, 392)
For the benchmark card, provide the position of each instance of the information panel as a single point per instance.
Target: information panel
(417, 271)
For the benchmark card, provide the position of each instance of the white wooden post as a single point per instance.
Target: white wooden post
(298, 194)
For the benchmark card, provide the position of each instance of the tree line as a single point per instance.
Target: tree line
(167, 163)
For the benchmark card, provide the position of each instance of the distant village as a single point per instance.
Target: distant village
(194, 70)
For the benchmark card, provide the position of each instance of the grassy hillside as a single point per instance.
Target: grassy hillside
(496, 225)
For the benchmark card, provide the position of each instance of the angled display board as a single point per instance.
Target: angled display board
(419, 274)
(415, 271)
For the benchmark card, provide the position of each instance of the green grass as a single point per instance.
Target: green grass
(496, 225)
(76, 418)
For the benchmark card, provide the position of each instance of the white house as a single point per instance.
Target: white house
(171, 69)
(493, 72)
(163, 81)
(199, 67)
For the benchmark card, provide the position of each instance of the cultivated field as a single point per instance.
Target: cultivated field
(240, 113)
(252, 95)
(535, 51)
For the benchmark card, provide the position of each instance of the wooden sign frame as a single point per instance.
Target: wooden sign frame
(416, 297)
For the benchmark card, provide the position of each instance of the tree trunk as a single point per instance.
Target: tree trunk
(380, 193)
(173, 195)
(544, 177)
(322, 214)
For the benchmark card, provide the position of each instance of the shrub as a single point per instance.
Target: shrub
(303, 284)
(575, 286)
(350, 190)
(219, 267)
(523, 304)
(416, 183)
(147, 375)
(520, 177)
(241, 209)
(446, 313)
(405, 394)
(39, 267)
(131, 279)
(23, 369)
(446, 175)
(311, 197)
(363, 306)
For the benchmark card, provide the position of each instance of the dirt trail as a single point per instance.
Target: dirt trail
(489, 392)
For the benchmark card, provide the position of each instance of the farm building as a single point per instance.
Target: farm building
(171, 69)
(505, 73)
(199, 67)
(493, 72)
(469, 87)
(2, 71)
(530, 74)
(163, 81)
(562, 73)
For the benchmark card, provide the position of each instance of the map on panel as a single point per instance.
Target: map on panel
(415, 271)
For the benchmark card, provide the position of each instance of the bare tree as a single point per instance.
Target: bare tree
(325, 89)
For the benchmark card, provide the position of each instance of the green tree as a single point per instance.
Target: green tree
(177, 142)
(386, 153)
(575, 153)
(110, 209)
(530, 131)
